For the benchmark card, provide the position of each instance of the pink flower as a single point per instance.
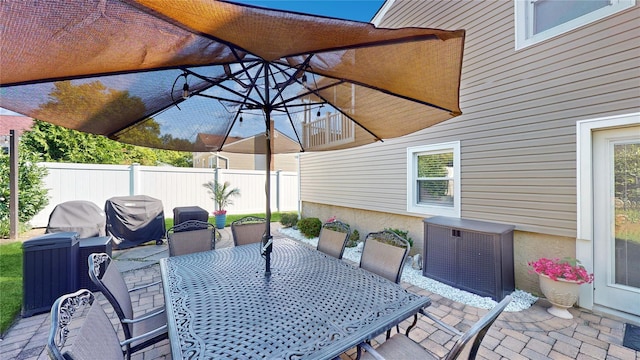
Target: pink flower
(331, 219)
(219, 212)
(566, 269)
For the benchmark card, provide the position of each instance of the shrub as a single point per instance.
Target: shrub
(353, 240)
(333, 224)
(403, 234)
(32, 193)
(310, 227)
(288, 219)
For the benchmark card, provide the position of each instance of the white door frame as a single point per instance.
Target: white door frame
(584, 201)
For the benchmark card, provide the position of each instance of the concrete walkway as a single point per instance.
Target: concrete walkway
(528, 334)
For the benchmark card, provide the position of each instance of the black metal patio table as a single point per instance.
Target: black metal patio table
(221, 305)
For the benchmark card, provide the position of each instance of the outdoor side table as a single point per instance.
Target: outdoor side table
(221, 305)
(185, 213)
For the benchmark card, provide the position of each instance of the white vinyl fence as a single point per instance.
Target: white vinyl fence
(173, 186)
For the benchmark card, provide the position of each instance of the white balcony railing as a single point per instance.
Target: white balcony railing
(330, 130)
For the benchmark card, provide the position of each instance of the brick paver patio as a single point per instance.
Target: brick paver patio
(528, 334)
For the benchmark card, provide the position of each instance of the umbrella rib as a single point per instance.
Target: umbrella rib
(412, 38)
(294, 128)
(254, 80)
(293, 78)
(242, 104)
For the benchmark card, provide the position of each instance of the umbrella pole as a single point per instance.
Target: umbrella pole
(267, 238)
(267, 242)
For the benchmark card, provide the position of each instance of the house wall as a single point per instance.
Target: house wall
(517, 133)
(238, 161)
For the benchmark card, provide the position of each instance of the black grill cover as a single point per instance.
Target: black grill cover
(133, 220)
(82, 217)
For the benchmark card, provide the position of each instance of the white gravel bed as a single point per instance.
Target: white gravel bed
(521, 300)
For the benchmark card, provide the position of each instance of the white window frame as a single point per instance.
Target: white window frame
(412, 173)
(524, 26)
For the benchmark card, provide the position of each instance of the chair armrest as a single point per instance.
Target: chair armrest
(149, 334)
(145, 286)
(143, 317)
(442, 324)
(371, 350)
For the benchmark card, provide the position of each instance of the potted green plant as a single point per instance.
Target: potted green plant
(221, 195)
(560, 281)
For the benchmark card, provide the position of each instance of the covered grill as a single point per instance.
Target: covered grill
(133, 220)
(82, 217)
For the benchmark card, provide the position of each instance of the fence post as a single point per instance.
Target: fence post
(278, 189)
(134, 179)
(215, 179)
(13, 185)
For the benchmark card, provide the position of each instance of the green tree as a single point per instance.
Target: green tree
(32, 196)
(627, 172)
(431, 167)
(58, 144)
(88, 105)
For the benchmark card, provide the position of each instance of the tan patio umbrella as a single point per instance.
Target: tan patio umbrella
(165, 73)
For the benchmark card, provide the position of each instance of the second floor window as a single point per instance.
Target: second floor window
(538, 20)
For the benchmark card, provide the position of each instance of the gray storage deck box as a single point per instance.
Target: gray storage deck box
(88, 246)
(471, 255)
(50, 266)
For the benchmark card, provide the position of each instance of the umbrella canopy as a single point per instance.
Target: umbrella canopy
(205, 75)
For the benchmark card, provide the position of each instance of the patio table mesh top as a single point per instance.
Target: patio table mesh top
(313, 306)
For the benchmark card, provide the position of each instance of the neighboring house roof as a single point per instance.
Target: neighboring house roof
(282, 144)
(14, 122)
(211, 141)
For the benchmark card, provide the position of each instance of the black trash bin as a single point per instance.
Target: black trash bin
(49, 270)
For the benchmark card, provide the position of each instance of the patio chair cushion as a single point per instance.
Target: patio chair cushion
(151, 327)
(97, 337)
(332, 241)
(91, 333)
(247, 230)
(383, 259)
(190, 237)
(466, 346)
(400, 347)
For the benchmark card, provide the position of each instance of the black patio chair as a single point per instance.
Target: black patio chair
(147, 329)
(333, 238)
(191, 236)
(385, 253)
(93, 337)
(400, 346)
(248, 230)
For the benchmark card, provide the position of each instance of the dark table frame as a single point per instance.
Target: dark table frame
(313, 306)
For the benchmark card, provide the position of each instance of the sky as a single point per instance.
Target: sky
(358, 10)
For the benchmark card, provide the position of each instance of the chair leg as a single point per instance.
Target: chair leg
(413, 324)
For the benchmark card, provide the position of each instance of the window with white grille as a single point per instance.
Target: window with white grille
(538, 20)
(433, 179)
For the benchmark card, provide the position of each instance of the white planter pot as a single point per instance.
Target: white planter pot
(562, 294)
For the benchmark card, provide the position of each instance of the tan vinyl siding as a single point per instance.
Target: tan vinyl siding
(517, 132)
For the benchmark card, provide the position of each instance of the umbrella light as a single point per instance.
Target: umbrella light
(204, 75)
